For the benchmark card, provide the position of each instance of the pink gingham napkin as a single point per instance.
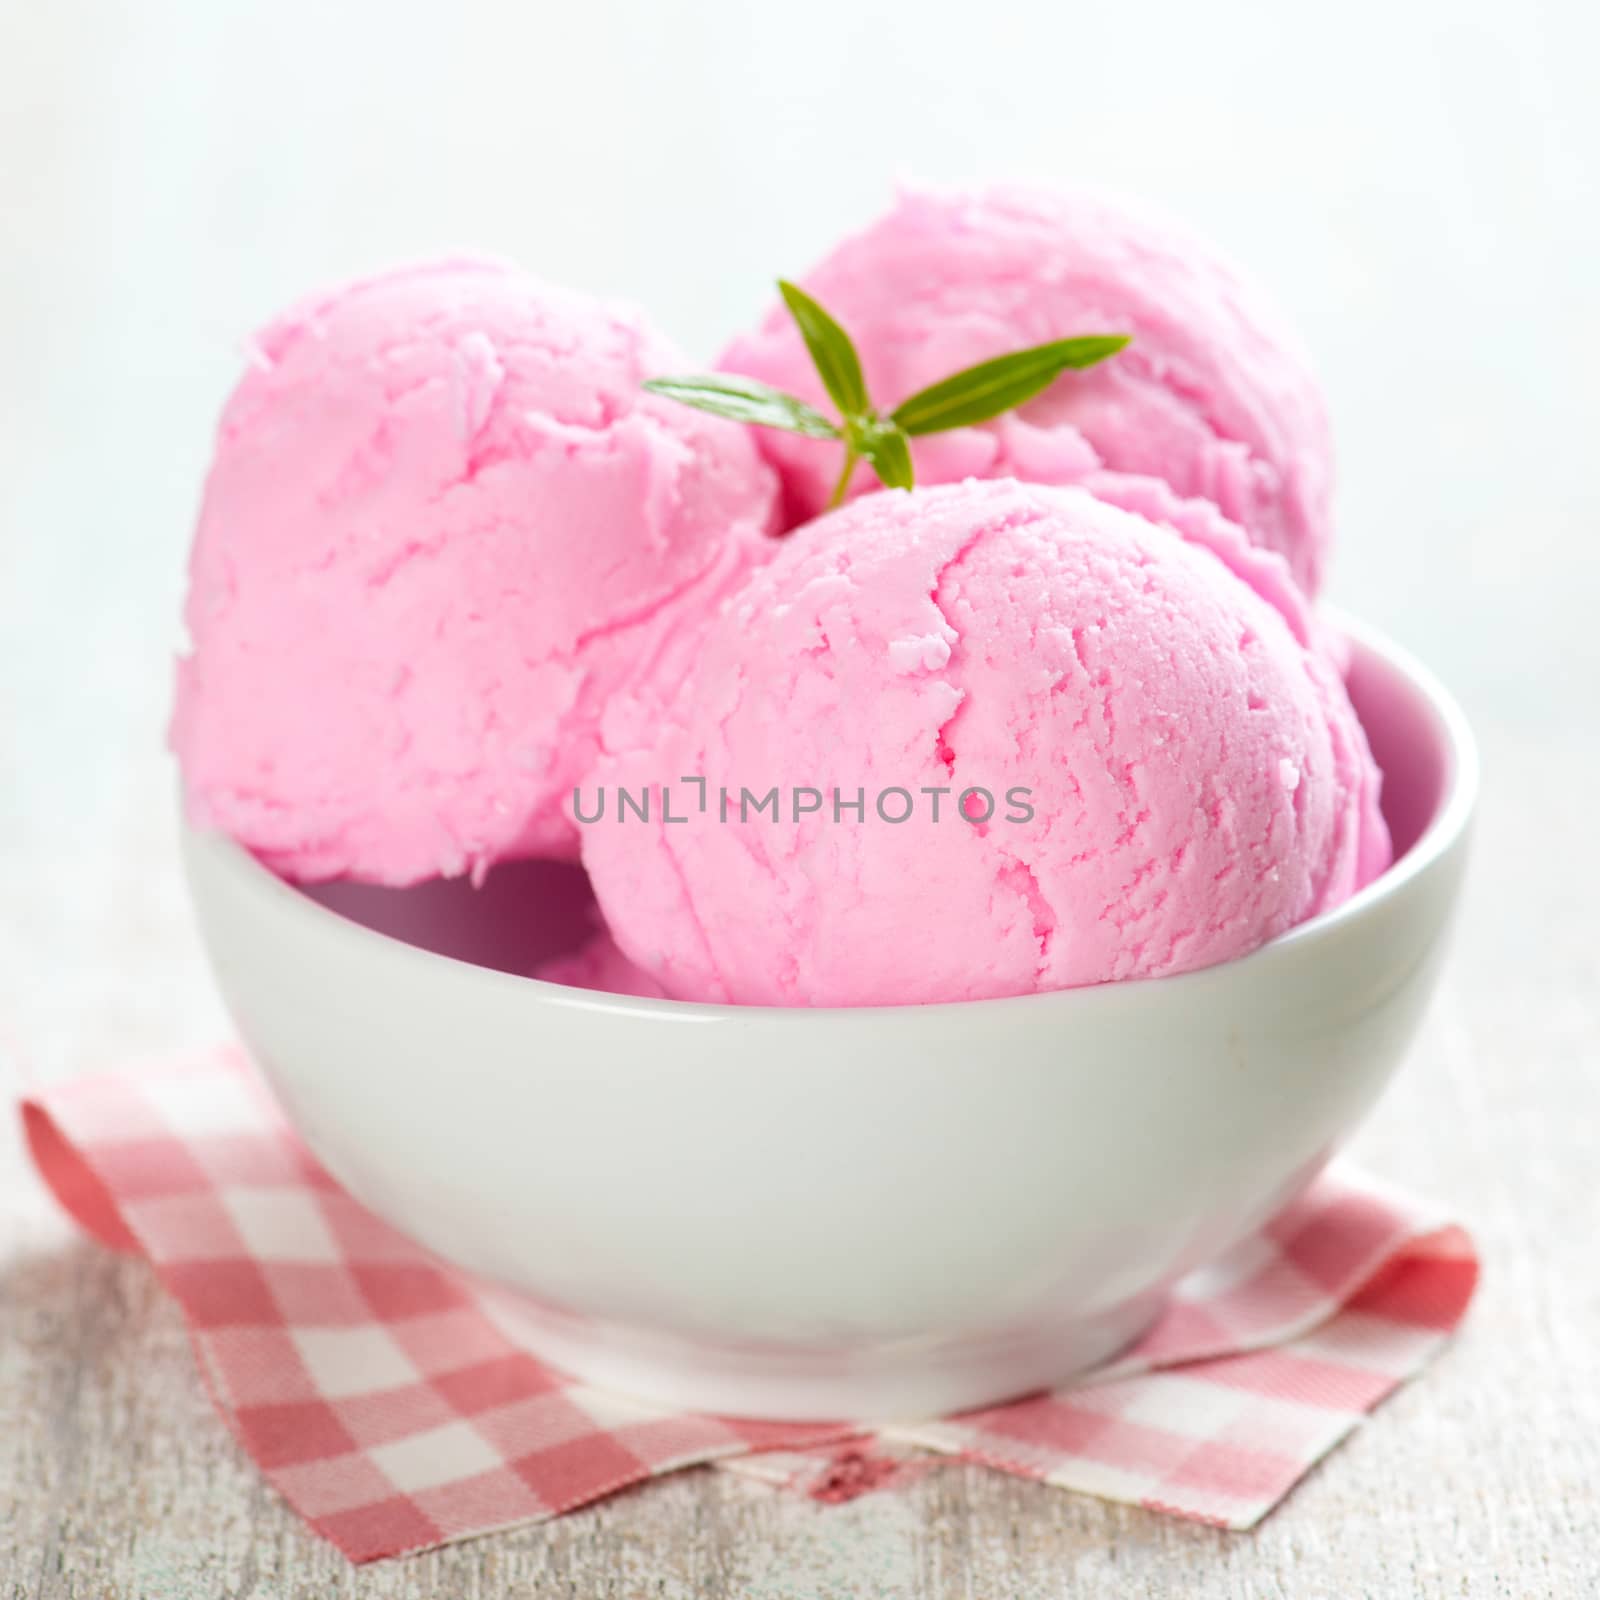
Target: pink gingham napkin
(375, 1391)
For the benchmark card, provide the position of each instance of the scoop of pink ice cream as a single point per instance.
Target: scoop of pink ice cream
(442, 530)
(601, 966)
(1214, 396)
(1170, 775)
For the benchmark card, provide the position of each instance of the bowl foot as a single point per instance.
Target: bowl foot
(902, 1381)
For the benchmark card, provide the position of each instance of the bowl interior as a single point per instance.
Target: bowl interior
(526, 913)
(1413, 748)
(523, 914)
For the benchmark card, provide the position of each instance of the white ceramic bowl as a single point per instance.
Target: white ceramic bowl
(874, 1213)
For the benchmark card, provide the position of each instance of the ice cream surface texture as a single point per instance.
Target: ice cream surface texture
(1214, 396)
(444, 530)
(1196, 780)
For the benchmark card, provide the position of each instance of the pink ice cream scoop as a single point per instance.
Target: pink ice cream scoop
(443, 529)
(1018, 739)
(1214, 396)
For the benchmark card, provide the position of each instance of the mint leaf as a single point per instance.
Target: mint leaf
(831, 350)
(889, 451)
(977, 394)
(974, 395)
(745, 400)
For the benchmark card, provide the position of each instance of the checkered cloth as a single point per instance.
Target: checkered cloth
(373, 1387)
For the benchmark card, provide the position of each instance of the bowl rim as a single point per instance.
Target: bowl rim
(1443, 831)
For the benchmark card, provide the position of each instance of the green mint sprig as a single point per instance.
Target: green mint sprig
(975, 394)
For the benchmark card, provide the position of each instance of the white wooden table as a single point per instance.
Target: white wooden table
(1416, 182)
